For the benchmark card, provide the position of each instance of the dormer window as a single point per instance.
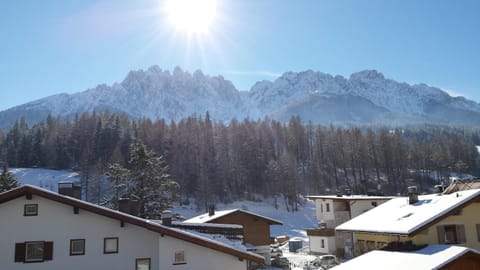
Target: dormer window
(30, 210)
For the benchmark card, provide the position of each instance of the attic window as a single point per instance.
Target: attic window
(179, 257)
(110, 245)
(30, 210)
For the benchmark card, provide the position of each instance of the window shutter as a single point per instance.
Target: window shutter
(441, 234)
(19, 252)
(47, 251)
(478, 232)
(461, 234)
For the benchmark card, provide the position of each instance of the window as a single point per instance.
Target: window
(77, 247)
(451, 234)
(30, 210)
(37, 251)
(360, 248)
(328, 207)
(370, 245)
(380, 245)
(110, 245)
(323, 243)
(478, 232)
(321, 207)
(143, 264)
(179, 257)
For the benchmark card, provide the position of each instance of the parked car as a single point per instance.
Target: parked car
(276, 252)
(281, 262)
(322, 262)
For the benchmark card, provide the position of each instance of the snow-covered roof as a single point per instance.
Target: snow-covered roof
(349, 197)
(205, 218)
(397, 216)
(431, 257)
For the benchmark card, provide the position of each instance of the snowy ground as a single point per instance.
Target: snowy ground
(44, 178)
(294, 223)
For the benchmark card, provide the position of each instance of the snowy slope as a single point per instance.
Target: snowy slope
(44, 178)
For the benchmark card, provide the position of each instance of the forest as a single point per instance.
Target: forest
(248, 159)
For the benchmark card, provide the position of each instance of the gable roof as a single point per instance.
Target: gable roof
(430, 257)
(123, 217)
(397, 216)
(206, 218)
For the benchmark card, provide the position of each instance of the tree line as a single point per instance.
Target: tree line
(214, 161)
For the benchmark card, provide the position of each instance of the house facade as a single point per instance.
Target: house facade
(415, 221)
(331, 211)
(256, 228)
(43, 230)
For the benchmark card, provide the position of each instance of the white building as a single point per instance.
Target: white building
(40, 229)
(333, 210)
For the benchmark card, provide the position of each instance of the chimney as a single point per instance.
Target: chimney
(348, 192)
(128, 206)
(68, 188)
(412, 194)
(211, 210)
(439, 188)
(167, 218)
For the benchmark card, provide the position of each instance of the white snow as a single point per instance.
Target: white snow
(204, 218)
(431, 257)
(43, 178)
(397, 216)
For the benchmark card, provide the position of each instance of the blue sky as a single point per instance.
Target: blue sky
(50, 47)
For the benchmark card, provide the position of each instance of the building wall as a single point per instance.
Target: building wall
(468, 261)
(324, 216)
(195, 258)
(469, 217)
(256, 230)
(56, 222)
(359, 207)
(316, 244)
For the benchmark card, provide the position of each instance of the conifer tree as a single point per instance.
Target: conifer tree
(146, 180)
(7, 180)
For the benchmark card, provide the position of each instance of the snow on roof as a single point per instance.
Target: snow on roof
(205, 218)
(397, 216)
(349, 197)
(431, 257)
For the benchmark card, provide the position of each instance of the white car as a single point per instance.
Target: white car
(322, 262)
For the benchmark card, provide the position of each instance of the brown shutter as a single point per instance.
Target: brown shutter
(47, 251)
(19, 252)
(441, 234)
(461, 234)
(478, 232)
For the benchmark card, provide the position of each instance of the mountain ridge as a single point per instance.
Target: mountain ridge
(365, 97)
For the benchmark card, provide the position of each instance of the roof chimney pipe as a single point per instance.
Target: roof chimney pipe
(412, 194)
(167, 218)
(69, 188)
(211, 210)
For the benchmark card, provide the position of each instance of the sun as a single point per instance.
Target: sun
(191, 16)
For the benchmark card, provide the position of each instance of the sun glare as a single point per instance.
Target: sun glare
(191, 16)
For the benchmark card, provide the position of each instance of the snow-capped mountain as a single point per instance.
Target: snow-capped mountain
(365, 97)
